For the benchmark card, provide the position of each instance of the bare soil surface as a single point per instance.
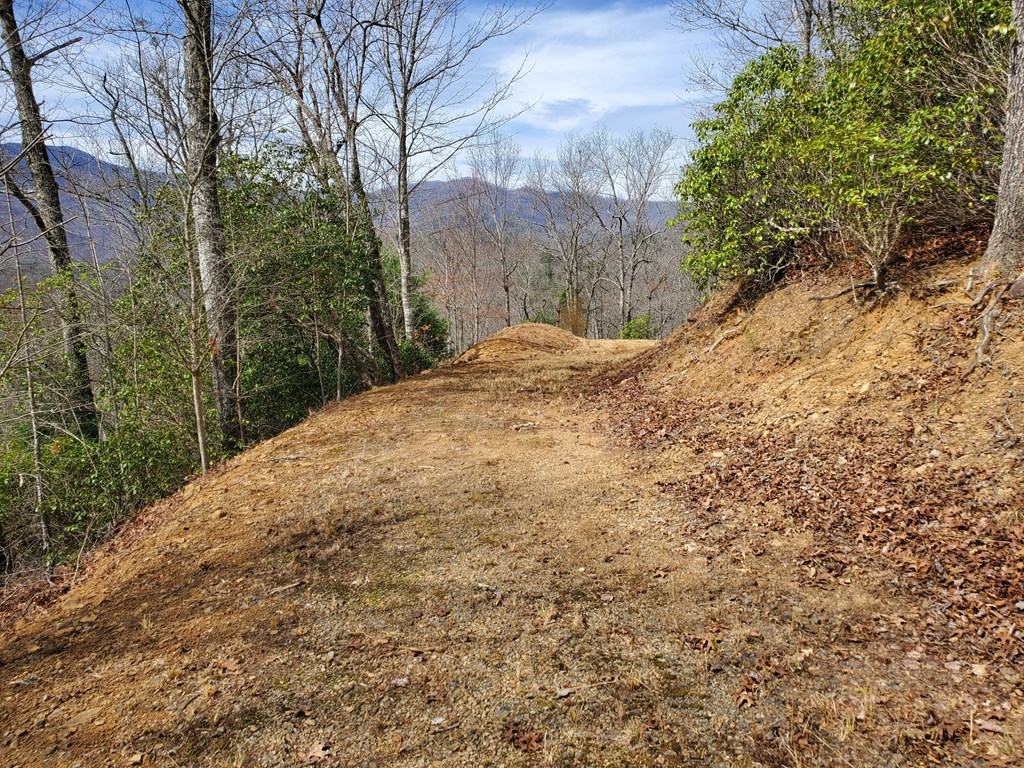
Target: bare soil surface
(789, 536)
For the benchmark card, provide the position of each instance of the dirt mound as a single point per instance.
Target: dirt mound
(521, 342)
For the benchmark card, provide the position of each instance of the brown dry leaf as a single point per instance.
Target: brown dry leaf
(941, 730)
(316, 753)
(521, 737)
(86, 716)
(745, 699)
(989, 726)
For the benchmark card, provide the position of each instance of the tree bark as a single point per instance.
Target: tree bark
(376, 288)
(203, 140)
(50, 217)
(1005, 252)
(405, 234)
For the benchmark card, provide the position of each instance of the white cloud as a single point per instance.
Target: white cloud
(621, 63)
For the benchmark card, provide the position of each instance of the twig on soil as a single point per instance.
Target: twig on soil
(286, 587)
(599, 684)
(420, 651)
(725, 335)
(1006, 418)
(78, 560)
(800, 380)
(29, 607)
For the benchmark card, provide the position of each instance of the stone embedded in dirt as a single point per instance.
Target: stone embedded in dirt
(83, 717)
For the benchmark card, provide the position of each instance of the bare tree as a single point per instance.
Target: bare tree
(495, 166)
(319, 58)
(743, 28)
(203, 137)
(565, 193)
(633, 170)
(44, 205)
(140, 95)
(427, 56)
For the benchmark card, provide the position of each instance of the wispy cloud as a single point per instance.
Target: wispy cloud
(616, 62)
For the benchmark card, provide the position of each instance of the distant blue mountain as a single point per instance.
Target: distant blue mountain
(431, 194)
(95, 200)
(97, 197)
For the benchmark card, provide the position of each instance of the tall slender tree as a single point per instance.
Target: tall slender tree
(426, 55)
(203, 137)
(495, 166)
(44, 205)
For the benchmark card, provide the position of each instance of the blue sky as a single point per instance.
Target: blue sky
(617, 63)
(620, 63)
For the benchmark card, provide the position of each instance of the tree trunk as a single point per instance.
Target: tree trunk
(507, 287)
(376, 288)
(50, 217)
(405, 237)
(45, 533)
(196, 364)
(107, 360)
(803, 15)
(1005, 253)
(203, 139)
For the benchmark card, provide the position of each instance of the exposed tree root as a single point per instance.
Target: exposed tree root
(984, 292)
(987, 321)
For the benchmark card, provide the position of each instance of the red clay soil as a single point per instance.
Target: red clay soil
(789, 536)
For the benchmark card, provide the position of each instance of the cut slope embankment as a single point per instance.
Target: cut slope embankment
(872, 426)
